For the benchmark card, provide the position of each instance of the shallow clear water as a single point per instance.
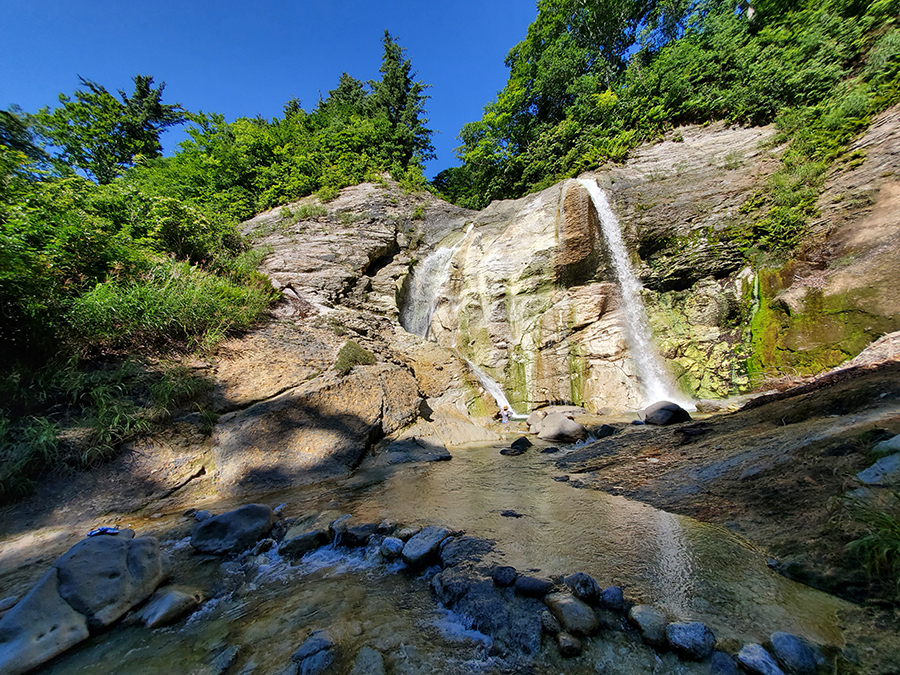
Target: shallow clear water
(266, 607)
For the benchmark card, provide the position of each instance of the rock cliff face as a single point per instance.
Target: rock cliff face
(526, 290)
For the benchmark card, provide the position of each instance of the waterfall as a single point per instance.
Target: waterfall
(427, 280)
(492, 387)
(650, 370)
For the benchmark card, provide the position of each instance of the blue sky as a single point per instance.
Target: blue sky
(247, 58)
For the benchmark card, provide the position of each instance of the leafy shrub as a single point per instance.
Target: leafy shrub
(350, 355)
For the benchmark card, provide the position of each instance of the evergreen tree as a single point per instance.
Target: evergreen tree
(400, 97)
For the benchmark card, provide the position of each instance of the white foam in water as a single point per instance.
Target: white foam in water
(453, 627)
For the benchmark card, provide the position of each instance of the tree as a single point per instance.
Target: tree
(101, 135)
(400, 98)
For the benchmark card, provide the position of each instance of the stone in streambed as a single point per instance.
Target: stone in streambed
(568, 645)
(167, 605)
(234, 531)
(793, 654)
(391, 548)
(576, 617)
(316, 654)
(297, 547)
(558, 427)
(369, 661)
(583, 586)
(613, 597)
(651, 623)
(504, 575)
(693, 640)
(756, 660)
(422, 548)
(532, 587)
(664, 413)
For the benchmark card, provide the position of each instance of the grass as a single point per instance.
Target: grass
(78, 414)
(878, 545)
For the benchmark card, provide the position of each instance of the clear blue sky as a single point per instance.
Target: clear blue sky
(244, 58)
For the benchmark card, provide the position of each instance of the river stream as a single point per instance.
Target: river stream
(262, 608)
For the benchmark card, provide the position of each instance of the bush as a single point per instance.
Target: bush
(351, 355)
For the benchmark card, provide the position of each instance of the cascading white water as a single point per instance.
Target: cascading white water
(650, 370)
(492, 387)
(427, 280)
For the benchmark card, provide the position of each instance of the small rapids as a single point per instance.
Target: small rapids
(263, 607)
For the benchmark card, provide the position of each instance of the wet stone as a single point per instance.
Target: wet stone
(756, 660)
(575, 615)
(422, 548)
(550, 623)
(569, 645)
(583, 586)
(693, 640)
(315, 655)
(296, 547)
(234, 531)
(358, 536)
(651, 623)
(722, 664)
(408, 533)
(532, 587)
(368, 662)
(391, 547)
(459, 550)
(795, 656)
(504, 576)
(613, 597)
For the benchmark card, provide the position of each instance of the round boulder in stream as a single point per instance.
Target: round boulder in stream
(559, 427)
(664, 413)
(422, 549)
(694, 640)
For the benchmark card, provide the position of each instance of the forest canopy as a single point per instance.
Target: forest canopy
(594, 78)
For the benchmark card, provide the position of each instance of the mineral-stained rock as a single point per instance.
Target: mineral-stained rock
(576, 617)
(234, 531)
(422, 548)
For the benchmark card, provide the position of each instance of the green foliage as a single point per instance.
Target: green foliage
(101, 135)
(350, 355)
(579, 94)
(77, 414)
(878, 544)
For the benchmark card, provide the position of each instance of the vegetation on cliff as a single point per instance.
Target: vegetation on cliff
(592, 80)
(109, 249)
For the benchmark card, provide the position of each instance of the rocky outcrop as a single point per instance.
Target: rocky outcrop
(318, 429)
(88, 588)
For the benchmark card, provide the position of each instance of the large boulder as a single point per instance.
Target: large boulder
(559, 427)
(92, 585)
(664, 413)
(234, 531)
(313, 431)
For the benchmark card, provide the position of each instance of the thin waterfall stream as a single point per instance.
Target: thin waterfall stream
(656, 381)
